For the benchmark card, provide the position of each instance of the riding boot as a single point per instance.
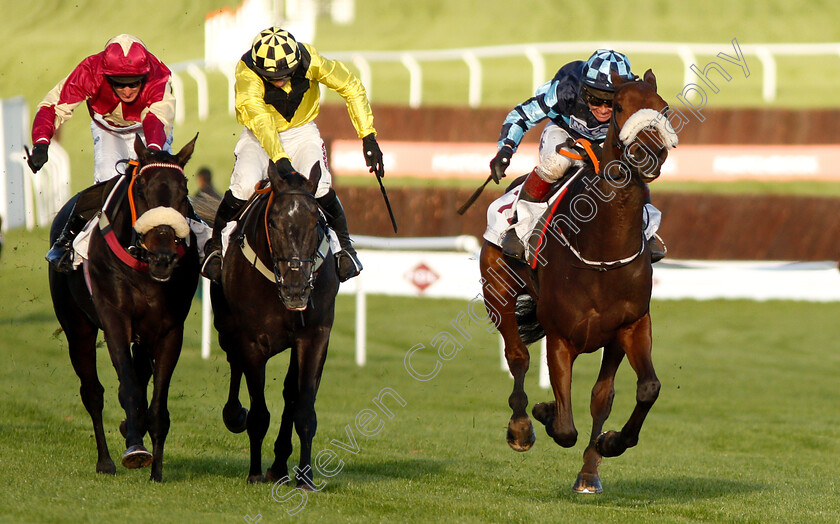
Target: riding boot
(347, 263)
(60, 254)
(228, 208)
(88, 203)
(656, 244)
(534, 189)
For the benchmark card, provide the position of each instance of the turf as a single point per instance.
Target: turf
(745, 428)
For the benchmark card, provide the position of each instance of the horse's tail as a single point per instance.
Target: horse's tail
(530, 329)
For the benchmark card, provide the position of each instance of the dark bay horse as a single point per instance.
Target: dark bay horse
(142, 269)
(589, 286)
(277, 292)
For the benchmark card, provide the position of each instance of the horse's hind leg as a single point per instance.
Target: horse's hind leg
(258, 416)
(635, 340)
(588, 480)
(82, 346)
(557, 416)
(283, 445)
(500, 290)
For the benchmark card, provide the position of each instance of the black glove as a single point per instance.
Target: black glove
(284, 166)
(500, 162)
(373, 155)
(38, 157)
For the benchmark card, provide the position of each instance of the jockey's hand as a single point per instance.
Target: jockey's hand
(38, 157)
(500, 162)
(373, 155)
(284, 166)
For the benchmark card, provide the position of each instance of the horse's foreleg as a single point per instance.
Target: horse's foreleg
(82, 346)
(557, 415)
(166, 357)
(132, 398)
(588, 480)
(500, 290)
(258, 416)
(283, 444)
(311, 355)
(636, 343)
(235, 416)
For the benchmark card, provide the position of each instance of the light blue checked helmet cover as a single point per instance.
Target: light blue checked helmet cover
(596, 70)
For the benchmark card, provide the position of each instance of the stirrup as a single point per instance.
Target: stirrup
(211, 269)
(658, 250)
(347, 265)
(60, 258)
(512, 246)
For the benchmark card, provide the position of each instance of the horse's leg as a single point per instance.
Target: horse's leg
(258, 416)
(588, 480)
(234, 414)
(500, 291)
(166, 357)
(311, 355)
(283, 444)
(81, 343)
(557, 416)
(143, 369)
(132, 398)
(635, 340)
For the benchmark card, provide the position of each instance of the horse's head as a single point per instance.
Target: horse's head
(160, 206)
(294, 234)
(641, 134)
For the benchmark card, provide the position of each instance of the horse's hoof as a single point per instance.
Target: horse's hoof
(271, 476)
(587, 484)
(544, 412)
(520, 434)
(236, 421)
(136, 457)
(106, 467)
(610, 444)
(256, 479)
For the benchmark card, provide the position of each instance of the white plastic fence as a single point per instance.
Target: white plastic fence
(413, 61)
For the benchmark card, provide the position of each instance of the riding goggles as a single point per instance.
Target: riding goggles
(116, 84)
(594, 101)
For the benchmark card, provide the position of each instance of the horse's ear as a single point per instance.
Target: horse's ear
(617, 79)
(140, 148)
(273, 175)
(314, 178)
(650, 78)
(186, 152)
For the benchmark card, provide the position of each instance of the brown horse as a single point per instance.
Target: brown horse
(589, 286)
(142, 269)
(278, 291)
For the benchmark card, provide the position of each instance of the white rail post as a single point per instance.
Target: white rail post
(365, 74)
(206, 315)
(415, 78)
(361, 322)
(201, 87)
(538, 64)
(474, 66)
(768, 63)
(178, 92)
(688, 60)
(545, 381)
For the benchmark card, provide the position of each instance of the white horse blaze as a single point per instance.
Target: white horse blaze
(163, 216)
(649, 118)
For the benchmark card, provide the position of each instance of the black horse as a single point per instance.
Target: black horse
(277, 292)
(142, 269)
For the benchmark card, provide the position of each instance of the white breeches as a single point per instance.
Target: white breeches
(109, 147)
(303, 145)
(552, 164)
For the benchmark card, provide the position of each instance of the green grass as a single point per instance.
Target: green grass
(745, 428)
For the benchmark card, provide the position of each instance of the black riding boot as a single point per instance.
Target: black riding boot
(347, 262)
(534, 189)
(657, 246)
(88, 203)
(60, 254)
(228, 208)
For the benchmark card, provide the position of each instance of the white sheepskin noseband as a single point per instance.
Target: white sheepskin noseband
(163, 216)
(648, 118)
